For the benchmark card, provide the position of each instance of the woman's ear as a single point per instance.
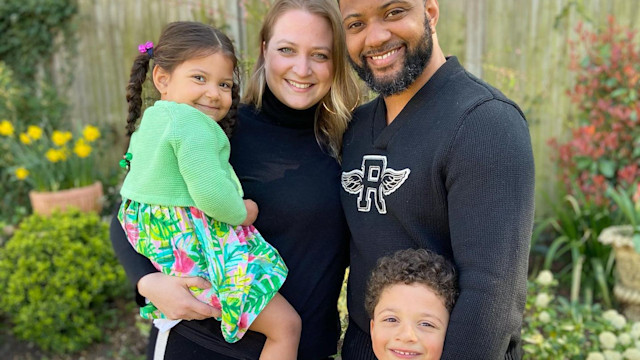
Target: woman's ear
(160, 79)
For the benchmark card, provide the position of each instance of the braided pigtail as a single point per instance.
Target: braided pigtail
(134, 90)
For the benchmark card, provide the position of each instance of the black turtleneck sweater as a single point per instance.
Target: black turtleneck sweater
(296, 185)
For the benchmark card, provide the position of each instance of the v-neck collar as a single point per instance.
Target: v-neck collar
(383, 133)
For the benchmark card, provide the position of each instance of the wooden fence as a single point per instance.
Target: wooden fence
(520, 46)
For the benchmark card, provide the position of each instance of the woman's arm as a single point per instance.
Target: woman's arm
(170, 294)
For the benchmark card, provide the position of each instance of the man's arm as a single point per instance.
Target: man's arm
(490, 183)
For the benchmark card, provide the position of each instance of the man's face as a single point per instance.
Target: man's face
(389, 42)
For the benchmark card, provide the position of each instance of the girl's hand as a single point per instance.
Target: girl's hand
(252, 212)
(171, 295)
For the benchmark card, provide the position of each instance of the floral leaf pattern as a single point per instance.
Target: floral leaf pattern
(244, 270)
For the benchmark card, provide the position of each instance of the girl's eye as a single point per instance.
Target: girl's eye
(199, 78)
(391, 320)
(427, 324)
(286, 50)
(226, 86)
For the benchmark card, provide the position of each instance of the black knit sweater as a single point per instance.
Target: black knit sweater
(452, 173)
(297, 188)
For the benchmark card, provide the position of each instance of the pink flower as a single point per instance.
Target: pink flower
(244, 319)
(183, 263)
(133, 234)
(215, 302)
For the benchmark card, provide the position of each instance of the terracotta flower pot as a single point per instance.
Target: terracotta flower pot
(627, 288)
(86, 198)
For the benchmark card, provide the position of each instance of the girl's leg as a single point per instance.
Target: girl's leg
(281, 324)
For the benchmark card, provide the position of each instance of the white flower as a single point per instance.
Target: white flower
(608, 340)
(635, 330)
(612, 355)
(545, 277)
(618, 322)
(624, 339)
(609, 315)
(542, 300)
(544, 317)
(595, 356)
(631, 354)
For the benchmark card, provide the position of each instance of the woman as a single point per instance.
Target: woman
(284, 150)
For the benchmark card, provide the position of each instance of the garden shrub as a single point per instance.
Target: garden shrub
(555, 328)
(59, 276)
(604, 149)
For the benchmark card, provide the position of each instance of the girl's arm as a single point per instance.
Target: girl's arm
(168, 293)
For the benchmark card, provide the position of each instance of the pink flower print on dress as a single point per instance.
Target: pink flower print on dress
(183, 264)
(215, 302)
(244, 320)
(197, 213)
(133, 234)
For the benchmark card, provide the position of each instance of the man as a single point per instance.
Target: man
(442, 161)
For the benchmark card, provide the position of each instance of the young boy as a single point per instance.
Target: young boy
(409, 298)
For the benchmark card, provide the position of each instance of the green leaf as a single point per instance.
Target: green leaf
(618, 92)
(636, 242)
(583, 163)
(607, 168)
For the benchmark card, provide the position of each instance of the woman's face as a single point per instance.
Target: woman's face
(298, 59)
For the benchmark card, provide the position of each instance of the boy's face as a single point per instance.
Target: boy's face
(409, 322)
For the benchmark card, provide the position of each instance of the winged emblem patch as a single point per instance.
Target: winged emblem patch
(373, 181)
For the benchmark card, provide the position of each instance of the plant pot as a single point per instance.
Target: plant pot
(86, 198)
(627, 288)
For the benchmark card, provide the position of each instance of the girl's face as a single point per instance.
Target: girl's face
(204, 83)
(297, 59)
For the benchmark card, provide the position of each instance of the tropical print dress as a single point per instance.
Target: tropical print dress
(244, 270)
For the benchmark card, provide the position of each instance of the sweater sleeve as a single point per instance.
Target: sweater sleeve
(490, 184)
(202, 151)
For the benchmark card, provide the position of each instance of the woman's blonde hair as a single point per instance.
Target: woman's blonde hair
(334, 110)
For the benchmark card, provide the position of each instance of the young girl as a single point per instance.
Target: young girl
(181, 200)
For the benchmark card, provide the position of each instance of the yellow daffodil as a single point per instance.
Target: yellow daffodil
(6, 128)
(25, 139)
(82, 149)
(90, 133)
(54, 155)
(61, 137)
(22, 173)
(34, 132)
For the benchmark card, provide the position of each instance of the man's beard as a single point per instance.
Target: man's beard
(414, 63)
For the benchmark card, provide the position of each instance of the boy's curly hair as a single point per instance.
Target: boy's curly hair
(413, 266)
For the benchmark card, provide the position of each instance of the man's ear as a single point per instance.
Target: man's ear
(432, 9)
(160, 79)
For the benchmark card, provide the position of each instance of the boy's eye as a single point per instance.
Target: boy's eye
(427, 324)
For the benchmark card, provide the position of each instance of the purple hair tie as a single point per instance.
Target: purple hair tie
(146, 48)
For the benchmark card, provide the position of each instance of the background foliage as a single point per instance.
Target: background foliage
(59, 277)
